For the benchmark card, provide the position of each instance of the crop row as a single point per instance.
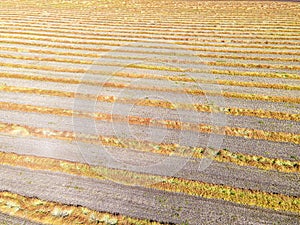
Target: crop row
(47, 212)
(216, 63)
(207, 24)
(170, 124)
(149, 67)
(149, 39)
(144, 146)
(170, 184)
(242, 51)
(146, 102)
(256, 97)
(78, 28)
(145, 30)
(85, 30)
(201, 55)
(182, 78)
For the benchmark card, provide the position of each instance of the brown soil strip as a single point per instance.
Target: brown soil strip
(278, 202)
(186, 19)
(226, 82)
(63, 32)
(90, 62)
(246, 96)
(182, 78)
(168, 124)
(142, 30)
(166, 47)
(128, 38)
(146, 102)
(209, 21)
(91, 55)
(158, 148)
(225, 34)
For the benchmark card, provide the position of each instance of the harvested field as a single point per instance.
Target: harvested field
(149, 112)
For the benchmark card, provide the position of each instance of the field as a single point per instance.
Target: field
(149, 112)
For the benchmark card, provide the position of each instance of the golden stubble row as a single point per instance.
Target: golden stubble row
(248, 133)
(234, 111)
(59, 30)
(198, 91)
(187, 23)
(141, 38)
(241, 159)
(175, 69)
(273, 201)
(47, 212)
(183, 78)
(193, 48)
(97, 56)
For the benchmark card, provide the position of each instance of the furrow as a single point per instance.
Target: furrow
(180, 44)
(149, 39)
(152, 77)
(246, 96)
(61, 32)
(212, 33)
(148, 102)
(142, 30)
(91, 62)
(224, 156)
(151, 67)
(92, 55)
(277, 202)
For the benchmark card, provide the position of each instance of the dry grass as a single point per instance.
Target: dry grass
(47, 212)
(170, 184)
(146, 146)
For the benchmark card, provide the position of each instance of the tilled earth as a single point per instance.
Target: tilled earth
(149, 112)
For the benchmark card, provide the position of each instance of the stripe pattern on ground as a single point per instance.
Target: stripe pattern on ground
(248, 49)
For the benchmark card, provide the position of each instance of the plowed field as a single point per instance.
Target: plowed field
(149, 112)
